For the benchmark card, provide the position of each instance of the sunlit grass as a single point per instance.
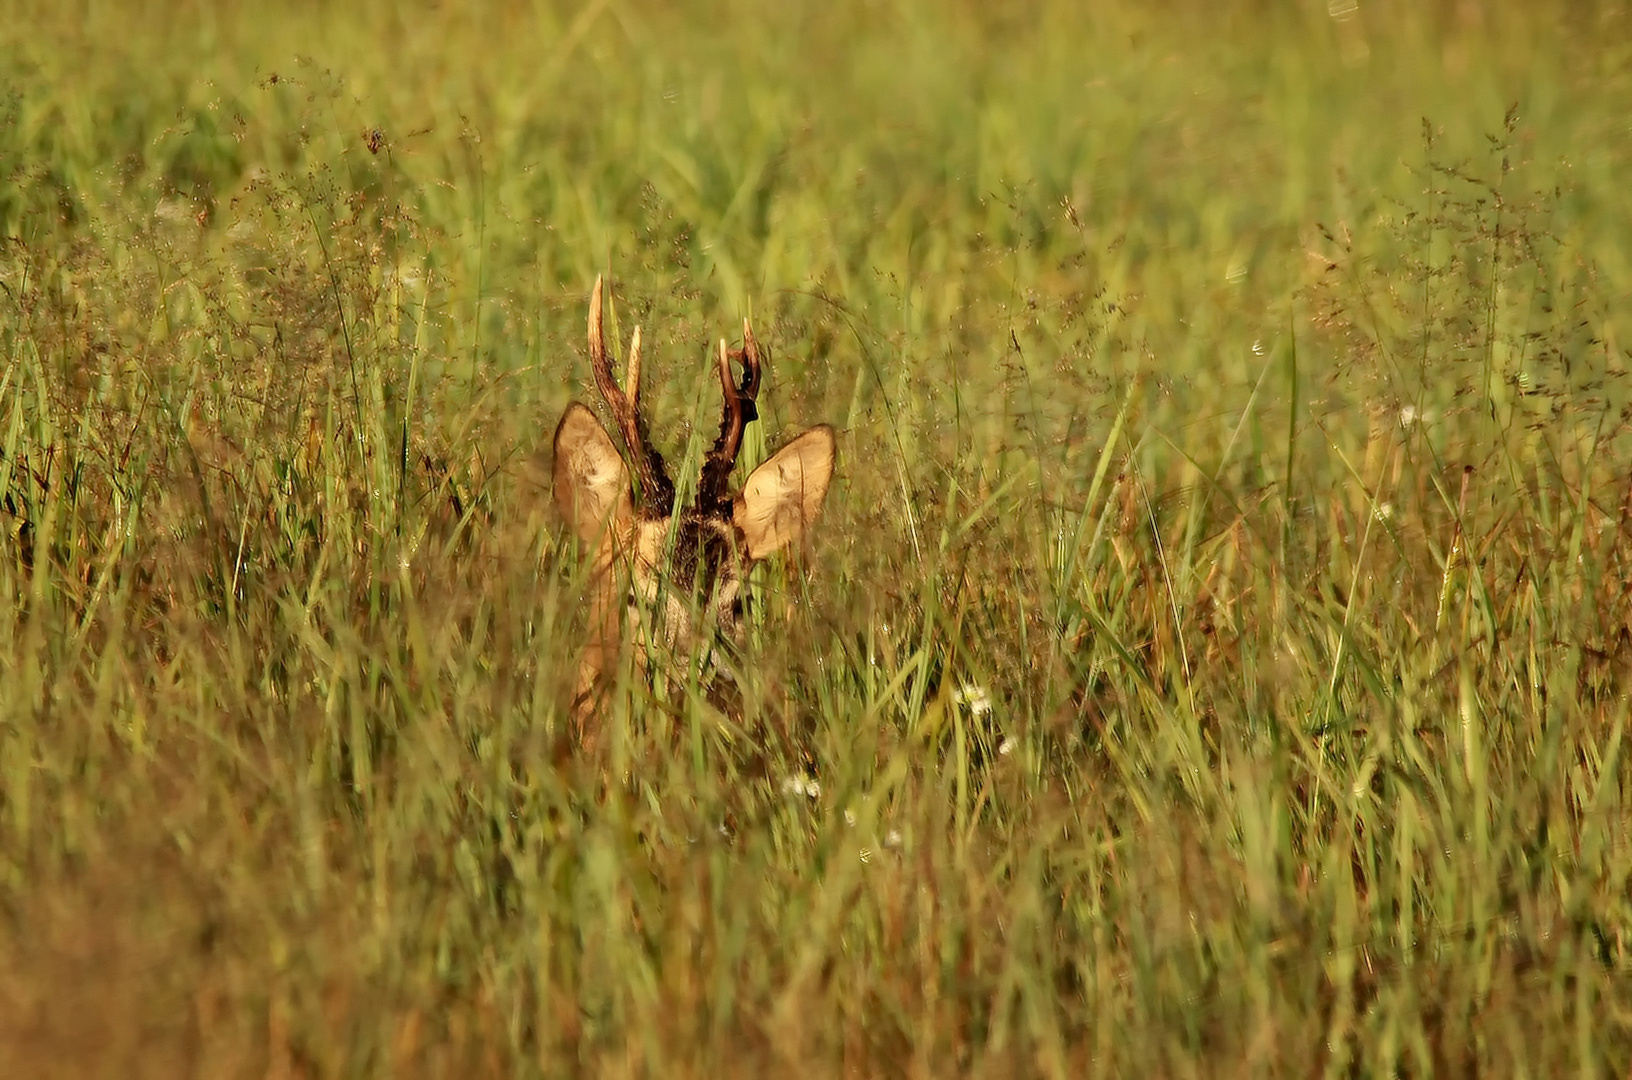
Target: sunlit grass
(1213, 659)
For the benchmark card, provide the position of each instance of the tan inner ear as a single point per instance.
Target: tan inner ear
(591, 480)
(783, 497)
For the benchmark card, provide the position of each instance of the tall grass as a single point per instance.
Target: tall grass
(1213, 661)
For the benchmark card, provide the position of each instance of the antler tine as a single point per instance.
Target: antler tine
(750, 360)
(650, 474)
(714, 490)
(632, 378)
(597, 344)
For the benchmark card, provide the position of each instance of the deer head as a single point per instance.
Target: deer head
(668, 580)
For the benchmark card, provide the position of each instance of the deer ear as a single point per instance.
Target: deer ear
(591, 480)
(783, 497)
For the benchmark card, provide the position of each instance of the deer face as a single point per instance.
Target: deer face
(669, 580)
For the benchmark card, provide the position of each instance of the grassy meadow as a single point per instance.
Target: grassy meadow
(1213, 660)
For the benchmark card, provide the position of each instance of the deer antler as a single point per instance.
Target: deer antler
(714, 490)
(652, 481)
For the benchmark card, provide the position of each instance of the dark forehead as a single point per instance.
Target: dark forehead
(704, 542)
(704, 529)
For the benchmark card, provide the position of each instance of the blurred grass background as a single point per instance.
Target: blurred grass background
(1213, 661)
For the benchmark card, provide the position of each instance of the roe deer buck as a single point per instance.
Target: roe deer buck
(669, 577)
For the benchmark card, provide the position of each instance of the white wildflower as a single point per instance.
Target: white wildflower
(800, 784)
(975, 696)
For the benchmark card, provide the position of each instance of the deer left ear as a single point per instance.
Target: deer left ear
(783, 497)
(591, 481)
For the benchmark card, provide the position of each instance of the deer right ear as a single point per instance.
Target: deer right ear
(784, 496)
(591, 480)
